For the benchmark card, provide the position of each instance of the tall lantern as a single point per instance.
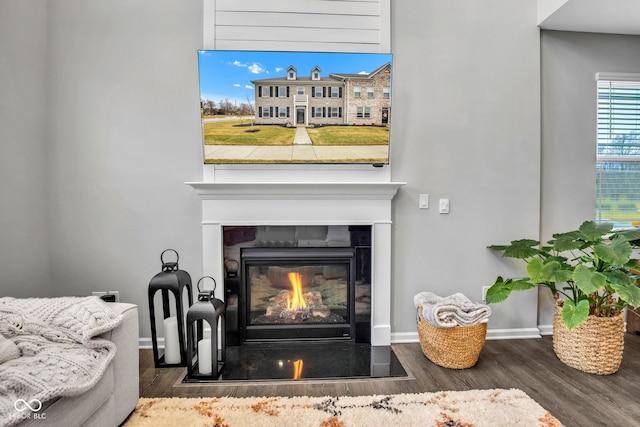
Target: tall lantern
(209, 362)
(170, 279)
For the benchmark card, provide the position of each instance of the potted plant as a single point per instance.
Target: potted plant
(593, 278)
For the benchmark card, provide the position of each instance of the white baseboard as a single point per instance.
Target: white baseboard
(145, 342)
(546, 329)
(404, 337)
(513, 334)
(492, 334)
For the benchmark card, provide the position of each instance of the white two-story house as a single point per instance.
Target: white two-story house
(339, 99)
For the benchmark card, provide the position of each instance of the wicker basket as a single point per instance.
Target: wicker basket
(595, 346)
(456, 348)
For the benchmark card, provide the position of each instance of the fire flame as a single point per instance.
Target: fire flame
(296, 302)
(297, 369)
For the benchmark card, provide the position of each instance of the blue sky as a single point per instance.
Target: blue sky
(228, 73)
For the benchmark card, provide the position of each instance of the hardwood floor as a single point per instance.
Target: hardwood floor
(575, 398)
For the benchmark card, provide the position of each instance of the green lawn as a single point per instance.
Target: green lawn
(241, 132)
(349, 135)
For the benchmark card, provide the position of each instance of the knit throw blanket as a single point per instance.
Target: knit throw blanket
(450, 311)
(60, 353)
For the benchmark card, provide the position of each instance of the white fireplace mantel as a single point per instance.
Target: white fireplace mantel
(297, 190)
(305, 203)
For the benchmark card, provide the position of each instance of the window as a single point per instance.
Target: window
(265, 112)
(317, 92)
(618, 149)
(386, 92)
(317, 112)
(364, 112)
(370, 92)
(264, 90)
(300, 90)
(356, 91)
(282, 112)
(335, 92)
(334, 112)
(316, 75)
(282, 91)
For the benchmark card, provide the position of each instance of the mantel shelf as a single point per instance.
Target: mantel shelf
(296, 190)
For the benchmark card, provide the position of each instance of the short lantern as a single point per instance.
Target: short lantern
(209, 362)
(170, 279)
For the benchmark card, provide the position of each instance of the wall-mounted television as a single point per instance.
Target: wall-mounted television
(295, 107)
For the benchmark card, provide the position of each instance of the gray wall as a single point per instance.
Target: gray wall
(466, 116)
(124, 137)
(120, 135)
(24, 231)
(569, 64)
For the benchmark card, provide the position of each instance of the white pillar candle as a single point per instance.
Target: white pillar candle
(171, 341)
(204, 357)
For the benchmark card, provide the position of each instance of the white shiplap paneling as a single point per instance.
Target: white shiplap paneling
(337, 7)
(309, 25)
(298, 34)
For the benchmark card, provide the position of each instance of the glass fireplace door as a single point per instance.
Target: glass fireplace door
(297, 293)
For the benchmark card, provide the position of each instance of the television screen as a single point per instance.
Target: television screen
(295, 107)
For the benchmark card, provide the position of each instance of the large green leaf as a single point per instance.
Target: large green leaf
(534, 269)
(574, 314)
(521, 249)
(617, 252)
(555, 272)
(631, 234)
(633, 264)
(626, 288)
(521, 284)
(619, 277)
(588, 280)
(560, 259)
(545, 272)
(593, 232)
(629, 294)
(567, 241)
(499, 291)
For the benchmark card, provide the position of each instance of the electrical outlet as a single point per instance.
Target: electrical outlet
(110, 296)
(484, 293)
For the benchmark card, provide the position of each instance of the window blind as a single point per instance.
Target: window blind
(618, 152)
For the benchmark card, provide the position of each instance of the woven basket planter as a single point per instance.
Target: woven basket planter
(595, 346)
(456, 348)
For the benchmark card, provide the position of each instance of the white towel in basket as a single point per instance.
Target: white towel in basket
(454, 310)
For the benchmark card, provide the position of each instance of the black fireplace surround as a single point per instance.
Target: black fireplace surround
(333, 274)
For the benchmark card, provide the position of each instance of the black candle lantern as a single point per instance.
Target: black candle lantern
(209, 362)
(170, 279)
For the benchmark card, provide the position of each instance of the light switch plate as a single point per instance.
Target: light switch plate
(444, 206)
(424, 201)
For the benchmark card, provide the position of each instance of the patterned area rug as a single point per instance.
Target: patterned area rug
(473, 408)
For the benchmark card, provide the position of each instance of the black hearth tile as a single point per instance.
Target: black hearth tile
(299, 361)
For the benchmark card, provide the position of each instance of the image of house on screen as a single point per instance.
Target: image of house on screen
(339, 99)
